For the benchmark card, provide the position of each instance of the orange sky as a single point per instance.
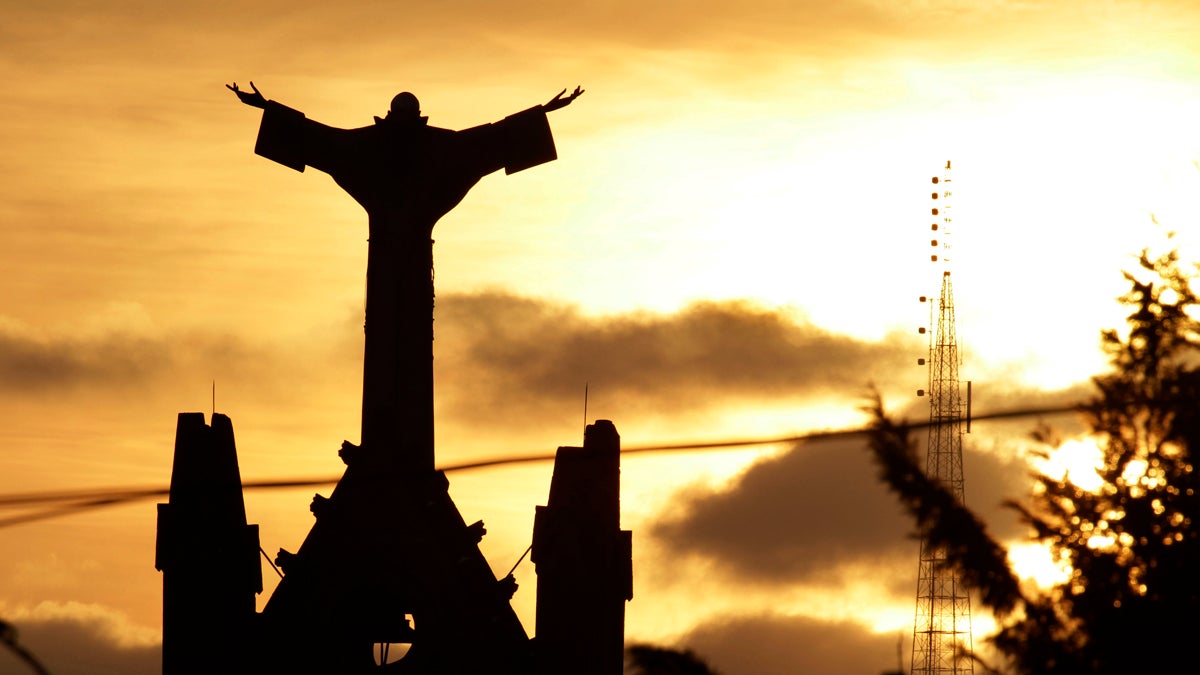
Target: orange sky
(731, 243)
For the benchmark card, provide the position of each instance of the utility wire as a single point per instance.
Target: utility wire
(74, 501)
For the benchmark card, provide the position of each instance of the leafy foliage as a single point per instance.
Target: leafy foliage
(1132, 544)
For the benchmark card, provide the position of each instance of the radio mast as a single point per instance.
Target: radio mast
(942, 626)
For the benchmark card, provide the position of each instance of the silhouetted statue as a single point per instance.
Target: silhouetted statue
(407, 175)
(390, 559)
(400, 164)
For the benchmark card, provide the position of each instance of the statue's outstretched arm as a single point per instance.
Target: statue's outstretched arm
(256, 98)
(559, 101)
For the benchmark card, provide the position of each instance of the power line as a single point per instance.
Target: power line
(69, 502)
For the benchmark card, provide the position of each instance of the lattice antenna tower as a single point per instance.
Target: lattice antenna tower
(942, 625)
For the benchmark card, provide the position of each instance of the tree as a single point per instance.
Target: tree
(1132, 544)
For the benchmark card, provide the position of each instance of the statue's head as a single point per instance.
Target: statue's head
(405, 106)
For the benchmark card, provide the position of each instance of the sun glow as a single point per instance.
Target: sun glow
(1035, 562)
(1077, 460)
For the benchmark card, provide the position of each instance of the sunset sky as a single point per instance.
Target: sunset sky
(731, 244)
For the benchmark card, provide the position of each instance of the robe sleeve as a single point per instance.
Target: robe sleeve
(526, 140)
(281, 136)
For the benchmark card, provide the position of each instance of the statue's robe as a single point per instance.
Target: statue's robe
(406, 166)
(407, 175)
(389, 541)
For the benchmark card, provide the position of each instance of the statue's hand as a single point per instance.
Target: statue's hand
(255, 99)
(560, 102)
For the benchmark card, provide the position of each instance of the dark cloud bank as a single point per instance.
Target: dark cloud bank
(510, 362)
(502, 351)
(36, 364)
(799, 516)
(503, 354)
(786, 645)
(80, 645)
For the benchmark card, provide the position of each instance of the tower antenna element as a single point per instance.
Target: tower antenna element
(942, 625)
